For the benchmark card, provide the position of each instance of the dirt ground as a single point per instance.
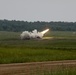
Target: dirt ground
(35, 68)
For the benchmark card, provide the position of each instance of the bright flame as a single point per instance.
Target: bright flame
(43, 32)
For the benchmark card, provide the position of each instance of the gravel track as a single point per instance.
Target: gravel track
(33, 68)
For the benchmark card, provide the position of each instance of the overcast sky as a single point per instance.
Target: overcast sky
(38, 10)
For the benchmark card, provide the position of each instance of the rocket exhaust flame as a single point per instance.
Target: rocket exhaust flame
(43, 32)
(34, 34)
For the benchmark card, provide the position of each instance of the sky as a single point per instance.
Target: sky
(38, 10)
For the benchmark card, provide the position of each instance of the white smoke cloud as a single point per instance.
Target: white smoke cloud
(28, 35)
(34, 34)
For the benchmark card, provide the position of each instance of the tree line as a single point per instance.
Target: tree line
(18, 26)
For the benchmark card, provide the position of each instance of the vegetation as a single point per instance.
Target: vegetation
(60, 44)
(17, 26)
(14, 50)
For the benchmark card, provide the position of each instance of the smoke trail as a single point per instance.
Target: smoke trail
(43, 32)
(34, 34)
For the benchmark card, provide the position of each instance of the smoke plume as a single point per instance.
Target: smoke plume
(33, 35)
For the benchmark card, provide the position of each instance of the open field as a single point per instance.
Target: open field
(57, 46)
(55, 54)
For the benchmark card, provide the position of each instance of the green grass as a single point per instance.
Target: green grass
(14, 55)
(14, 50)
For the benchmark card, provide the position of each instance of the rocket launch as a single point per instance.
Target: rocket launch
(33, 35)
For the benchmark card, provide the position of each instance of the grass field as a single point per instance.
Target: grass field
(57, 45)
(61, 47)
